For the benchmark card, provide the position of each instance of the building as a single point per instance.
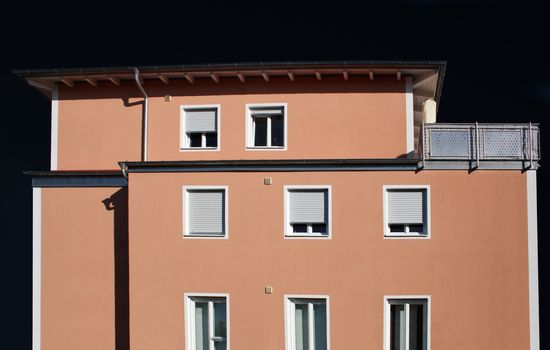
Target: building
(280, 206)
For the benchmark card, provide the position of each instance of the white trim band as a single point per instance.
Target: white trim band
(533, 259)
(54, 128)
(409, 106)
(36, 265)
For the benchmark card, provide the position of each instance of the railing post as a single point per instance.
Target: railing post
(530, 146)
(423, 141)
(477, 145)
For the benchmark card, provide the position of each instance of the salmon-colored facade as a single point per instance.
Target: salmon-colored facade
(80, 229)
(474, 245)
(100, 127)
(118, 266)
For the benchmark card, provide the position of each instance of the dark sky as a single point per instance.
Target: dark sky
(498, 71)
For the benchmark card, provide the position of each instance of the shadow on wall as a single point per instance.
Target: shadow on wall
(233, 86)
(127, 103)
(118, 202)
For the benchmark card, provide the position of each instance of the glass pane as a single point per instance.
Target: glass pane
(201, 326)
(397, 228)
(301, 318)
(416, 327)
(211, 139)
(319, 228)
(195, 139)
(220, 345)
(277, 131)
(397, 327)
(416, 228)
(299, 228)
(260, 131)
(220, 319)
(320, 313)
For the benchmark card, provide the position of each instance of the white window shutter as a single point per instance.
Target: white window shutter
(267, 111)
(406, 206)
(206, 211)
(308, 206)
(200, 120)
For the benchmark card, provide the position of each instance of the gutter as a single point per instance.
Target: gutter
(145, 114)
(275, 165)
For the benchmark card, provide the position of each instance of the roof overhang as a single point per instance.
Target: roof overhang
(427, 75)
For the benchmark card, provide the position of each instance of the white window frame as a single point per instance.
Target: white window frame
(290, 341)
(184, 139)
(186, 233)
(250, 127)
(406, 235)
(189, 311)
(289, 234)
(407, 300)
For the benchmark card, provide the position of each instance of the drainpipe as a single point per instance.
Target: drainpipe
(124, 169)
(146, 114)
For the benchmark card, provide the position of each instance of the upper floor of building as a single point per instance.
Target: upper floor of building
(275, 111)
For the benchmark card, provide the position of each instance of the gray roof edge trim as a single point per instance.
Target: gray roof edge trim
(439, 89)
(72, 173)
(265, 166)
(79, 181)
(268, 162)
(57, 72)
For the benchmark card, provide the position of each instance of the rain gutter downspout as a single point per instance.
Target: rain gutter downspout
(146, 114)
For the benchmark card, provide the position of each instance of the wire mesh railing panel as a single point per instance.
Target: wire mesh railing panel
(480, 141)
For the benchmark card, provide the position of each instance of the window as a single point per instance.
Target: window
(266, 126)
(207, 321)
(205, 211)
(199, 127)
(307, 211)
(307, 323)
(406, 323)
(406, 211)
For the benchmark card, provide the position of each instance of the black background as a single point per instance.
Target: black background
(498, 71)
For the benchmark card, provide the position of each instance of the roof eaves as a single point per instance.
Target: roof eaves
(56, 72)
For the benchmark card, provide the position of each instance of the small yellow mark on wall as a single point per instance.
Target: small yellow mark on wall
(268, 290)
(267, 181)
(167, 98)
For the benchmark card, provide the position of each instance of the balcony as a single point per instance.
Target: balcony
(480, 145)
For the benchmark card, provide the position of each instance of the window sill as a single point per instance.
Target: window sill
(199, 149)
(403, 236)
(308, 236)
(205, 236)
(265, 148)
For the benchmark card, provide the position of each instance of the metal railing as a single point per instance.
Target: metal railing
(480, 142)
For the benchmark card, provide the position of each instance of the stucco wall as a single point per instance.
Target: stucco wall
(333, 118)
(98, 126)
(80, 227)
(474, 267)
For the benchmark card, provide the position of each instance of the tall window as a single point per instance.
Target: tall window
(307, 323)
(266, 126)
(199, 126)
(207, 326)
(205, 211)
(406, 211)
(406, 324)
(307, 211)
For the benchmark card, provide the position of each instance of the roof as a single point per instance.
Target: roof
(428, 75)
